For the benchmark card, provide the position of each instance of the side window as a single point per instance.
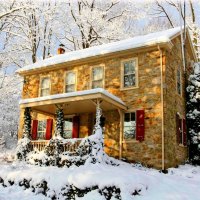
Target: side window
(129, 75)
(68, 126)
(41, 130)
(70, 82)
(129, 125)
(181, 133)
(45, 87)
(178, 81)
(97, 77)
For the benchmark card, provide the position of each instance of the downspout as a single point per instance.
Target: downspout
(162, 109)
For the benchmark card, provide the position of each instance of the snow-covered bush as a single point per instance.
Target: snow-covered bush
(193, 115)
(89, 151)
(23, 148)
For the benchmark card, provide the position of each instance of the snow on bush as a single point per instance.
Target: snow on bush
(193, 114)
(89, 151)
(23, 148)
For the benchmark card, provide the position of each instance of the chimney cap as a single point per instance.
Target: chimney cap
(61, 50)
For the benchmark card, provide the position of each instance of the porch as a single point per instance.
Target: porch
(79, 112)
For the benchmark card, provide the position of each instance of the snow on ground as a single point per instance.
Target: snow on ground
(182, 183)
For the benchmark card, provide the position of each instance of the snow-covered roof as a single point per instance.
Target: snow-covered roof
(135, 42)
(73, 94)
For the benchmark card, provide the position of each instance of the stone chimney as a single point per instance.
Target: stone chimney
(61, 49)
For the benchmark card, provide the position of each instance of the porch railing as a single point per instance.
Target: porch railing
(68, 145)
(39, 144)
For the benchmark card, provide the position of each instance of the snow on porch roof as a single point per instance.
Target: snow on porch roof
(73, 94)
(135, 42)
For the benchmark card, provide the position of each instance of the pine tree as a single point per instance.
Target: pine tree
(27, 123)
(59, 121)
(193, 115)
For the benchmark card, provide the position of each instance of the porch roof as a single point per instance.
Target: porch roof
(74, 102)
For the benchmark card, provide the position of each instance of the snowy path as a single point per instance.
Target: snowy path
(180, 184)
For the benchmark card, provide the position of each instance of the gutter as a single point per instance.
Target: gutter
(162, 109)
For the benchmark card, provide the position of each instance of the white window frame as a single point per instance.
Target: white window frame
(129, 112)
(177, 81)
(136, 74)
(43, 131)
(40, 89)
(69, 117)
(65, 76)
(103, 74)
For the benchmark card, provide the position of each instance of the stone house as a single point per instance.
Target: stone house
(140, 83)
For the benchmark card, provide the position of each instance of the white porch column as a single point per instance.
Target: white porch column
(121, 132)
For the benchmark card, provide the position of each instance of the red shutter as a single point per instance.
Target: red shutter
(34, 129)
(75, 130)
(140, 125)
(49, 129)
(178, 129)
(184, 132)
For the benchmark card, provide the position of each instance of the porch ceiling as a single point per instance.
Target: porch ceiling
(75, 102)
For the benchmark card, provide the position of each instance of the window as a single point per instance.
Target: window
(97, 77)
(68, 126)
(41, 131)
(45, 87)
(181, 130)
(178, 80)
(129, 73)
(70, 82)
(130, 125)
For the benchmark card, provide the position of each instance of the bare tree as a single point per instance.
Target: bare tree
(91, 22)
(163, 10)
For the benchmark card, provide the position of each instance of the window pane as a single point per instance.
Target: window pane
(97, 73)
(132, 67)
(41, 132)
(129, 80)
(126, 68)
(133, 117)
(68, 125)
(129, 67)
(70, 88)
(129, 126)
(70, 78)
(45, 83)
(45, 92)
(97, 84)
(127, 117)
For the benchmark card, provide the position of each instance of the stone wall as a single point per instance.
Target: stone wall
(175, 153)
(146, 96)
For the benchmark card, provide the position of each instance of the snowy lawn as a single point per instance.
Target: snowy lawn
(182, 183)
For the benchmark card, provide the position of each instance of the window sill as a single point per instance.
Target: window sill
(131, 88)
(130, 141)
(181, 145)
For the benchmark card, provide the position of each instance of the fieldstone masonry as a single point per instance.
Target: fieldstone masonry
(146, 96)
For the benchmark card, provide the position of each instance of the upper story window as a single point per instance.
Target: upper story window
(129, 73)
(97, 77)
(45, 87)
(70, 82)
(178, 80)
(129, 125)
